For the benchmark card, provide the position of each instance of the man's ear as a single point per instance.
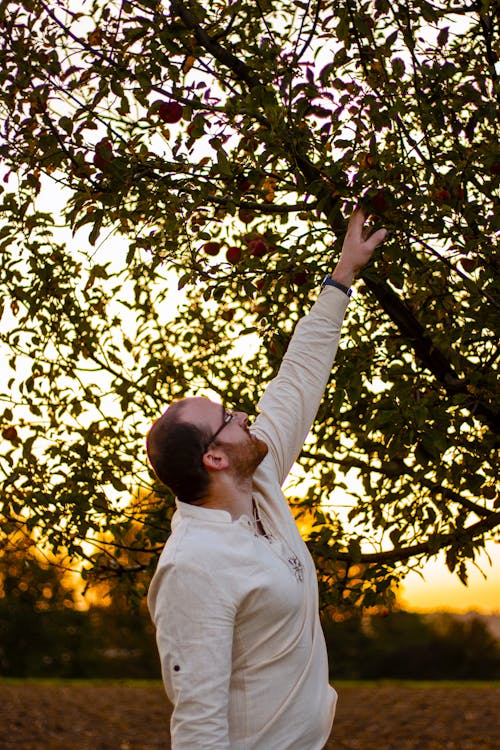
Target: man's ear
(215, 459)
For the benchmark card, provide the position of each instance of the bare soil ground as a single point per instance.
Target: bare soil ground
(369, 717)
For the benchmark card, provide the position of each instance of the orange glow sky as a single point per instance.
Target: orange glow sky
(442, 590)
(433, 588)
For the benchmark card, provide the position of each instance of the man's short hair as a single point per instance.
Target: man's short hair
(175, 450)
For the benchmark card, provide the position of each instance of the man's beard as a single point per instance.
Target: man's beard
(245, 457)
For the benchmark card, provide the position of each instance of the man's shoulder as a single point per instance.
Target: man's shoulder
(186, 541)
(194, 544)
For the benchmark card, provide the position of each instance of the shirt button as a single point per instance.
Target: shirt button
(177, 668)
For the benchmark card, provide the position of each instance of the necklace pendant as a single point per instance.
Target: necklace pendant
(297, 567)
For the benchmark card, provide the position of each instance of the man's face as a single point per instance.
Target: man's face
(229, 433)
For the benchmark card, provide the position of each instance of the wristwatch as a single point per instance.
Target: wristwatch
(328, 281)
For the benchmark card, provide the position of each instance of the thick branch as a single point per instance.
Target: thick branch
(425, 349)
(263, 208)
(239, 68)
(402, 470)
(431, 546)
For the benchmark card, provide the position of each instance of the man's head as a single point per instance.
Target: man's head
(196, 441)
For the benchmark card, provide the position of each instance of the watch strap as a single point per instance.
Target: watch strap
(328, 281)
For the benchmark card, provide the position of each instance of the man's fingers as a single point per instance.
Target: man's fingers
(376, 239)
(357, 220)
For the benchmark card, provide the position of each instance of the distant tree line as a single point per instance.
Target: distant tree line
(102, 642)
(44, 634)
(116, 642)
(405, 645)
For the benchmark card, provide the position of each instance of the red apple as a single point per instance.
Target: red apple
(299, 278)
(258, 248)
(260, 284)
(228, 315)
(244, 184)
(103, 154)
(170, 112)
(233, 254)
(10, 433)
(366, 161)
(379, 202)
(246, 215)
(442, 196)
(468, 264)
(212, 248)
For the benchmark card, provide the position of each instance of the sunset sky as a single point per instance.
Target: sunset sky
(442, 590)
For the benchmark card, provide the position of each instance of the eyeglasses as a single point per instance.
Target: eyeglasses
(227, 417)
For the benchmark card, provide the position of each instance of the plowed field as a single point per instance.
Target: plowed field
(369, 717)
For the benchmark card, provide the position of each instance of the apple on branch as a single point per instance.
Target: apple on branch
(212, 248)
(258, 248)
(103, 155)
(10, 434)
(243, 184)
(246, 215)
(378, 201)
(170, 112)
(299, 277)
(442, 196)
(233, 254)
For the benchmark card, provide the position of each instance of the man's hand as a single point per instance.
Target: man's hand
(357, 249)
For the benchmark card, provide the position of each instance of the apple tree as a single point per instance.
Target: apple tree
(177, 178)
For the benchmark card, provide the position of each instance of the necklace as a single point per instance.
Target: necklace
(289, 557)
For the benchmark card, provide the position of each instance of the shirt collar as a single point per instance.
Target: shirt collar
(213, 515)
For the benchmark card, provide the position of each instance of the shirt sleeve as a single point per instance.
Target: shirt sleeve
(290, 402)
(194, 632)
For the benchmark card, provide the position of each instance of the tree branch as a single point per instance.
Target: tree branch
(263, 208)
(402, 469)
(440, 541)
(239, 68)
(480, 291)
(425, 349)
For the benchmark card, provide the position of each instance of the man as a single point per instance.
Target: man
(235, 598)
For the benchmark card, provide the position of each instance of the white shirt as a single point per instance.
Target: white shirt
(242, 652)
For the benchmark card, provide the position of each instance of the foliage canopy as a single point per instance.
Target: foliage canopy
(188, 128)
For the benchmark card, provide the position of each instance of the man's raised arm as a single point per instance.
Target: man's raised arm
(290, 402)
